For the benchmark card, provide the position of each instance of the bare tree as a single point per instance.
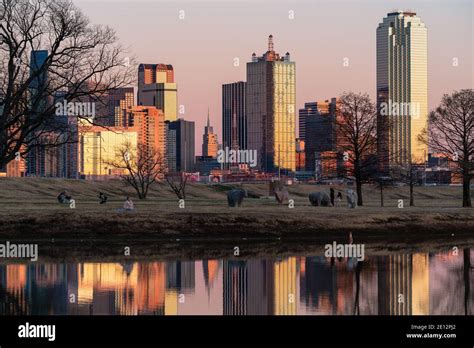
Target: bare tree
(408, 174)
(177, 182)
(357, 128)
(49, 51)
(451, 131)
(139, 167)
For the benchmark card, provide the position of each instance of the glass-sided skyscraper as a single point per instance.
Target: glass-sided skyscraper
(271, 120)
(402, 87)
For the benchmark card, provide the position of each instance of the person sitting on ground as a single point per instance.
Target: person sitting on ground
(128, 205)
(103, 198)
(63, 198)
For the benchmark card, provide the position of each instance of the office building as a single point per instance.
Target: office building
(180, 142)
(271, 120)
(156, 87)
(234, 119)
(100, 148)
(149, 124)
(402, 89)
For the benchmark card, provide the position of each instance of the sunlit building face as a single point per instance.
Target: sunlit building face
(271, 97)
(402, 88)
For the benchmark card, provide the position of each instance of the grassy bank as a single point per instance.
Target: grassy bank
(29, 210)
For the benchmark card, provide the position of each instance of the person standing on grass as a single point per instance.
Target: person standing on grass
(332, 194)
(103, 198)
(339, 198)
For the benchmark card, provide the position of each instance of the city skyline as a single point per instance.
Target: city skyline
(202, 67)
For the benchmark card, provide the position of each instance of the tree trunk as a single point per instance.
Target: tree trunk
(467, 282)
(359, 191)
(381, 194)
(358, 176)
(412, 198)
(466, 190)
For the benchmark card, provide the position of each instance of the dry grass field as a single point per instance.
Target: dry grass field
(29, 210)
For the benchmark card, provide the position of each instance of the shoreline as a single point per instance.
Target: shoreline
(271, 223)
(92, 251)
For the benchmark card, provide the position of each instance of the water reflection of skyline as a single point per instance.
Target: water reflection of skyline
(400, 284)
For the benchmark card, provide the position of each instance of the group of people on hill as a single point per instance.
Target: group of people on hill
(128, 205)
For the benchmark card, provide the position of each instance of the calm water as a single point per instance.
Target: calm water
(396, 284)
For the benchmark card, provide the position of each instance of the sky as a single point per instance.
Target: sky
(204, 46)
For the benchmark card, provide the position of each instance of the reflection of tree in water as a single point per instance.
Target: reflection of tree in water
(451, 284)
(12, 303)
(467, 281)
(357, 294)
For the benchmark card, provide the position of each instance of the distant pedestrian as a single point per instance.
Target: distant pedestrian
(332, 195)
(103, 198)
(339, 198)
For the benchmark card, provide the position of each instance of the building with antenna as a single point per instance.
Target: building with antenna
(209, 140)
(271, 119)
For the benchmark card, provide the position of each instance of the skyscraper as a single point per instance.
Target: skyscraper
(310, 109)
(271, 97)
(209, 140)
(149, 124)
(38, 73)
(119, 100)
(234, 117)
(402, 89)
(156, 87)
(180, 139)
(320, 130)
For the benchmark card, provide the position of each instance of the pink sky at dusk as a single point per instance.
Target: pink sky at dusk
(203, 45)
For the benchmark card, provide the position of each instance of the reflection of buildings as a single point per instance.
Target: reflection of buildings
(447, 288)
(248, 287)
(318, 285)
(286, 296)
(429, 285)
(235, 287)
(420, 284)
(180, 281)
(403, 284)
(210, 270)
(127, 289)
(46, 283)
(180, 276)
(13, 280)
(328, 287)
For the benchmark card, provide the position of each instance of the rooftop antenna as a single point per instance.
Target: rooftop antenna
(208, 122)
(270, 43)
(235, 143)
